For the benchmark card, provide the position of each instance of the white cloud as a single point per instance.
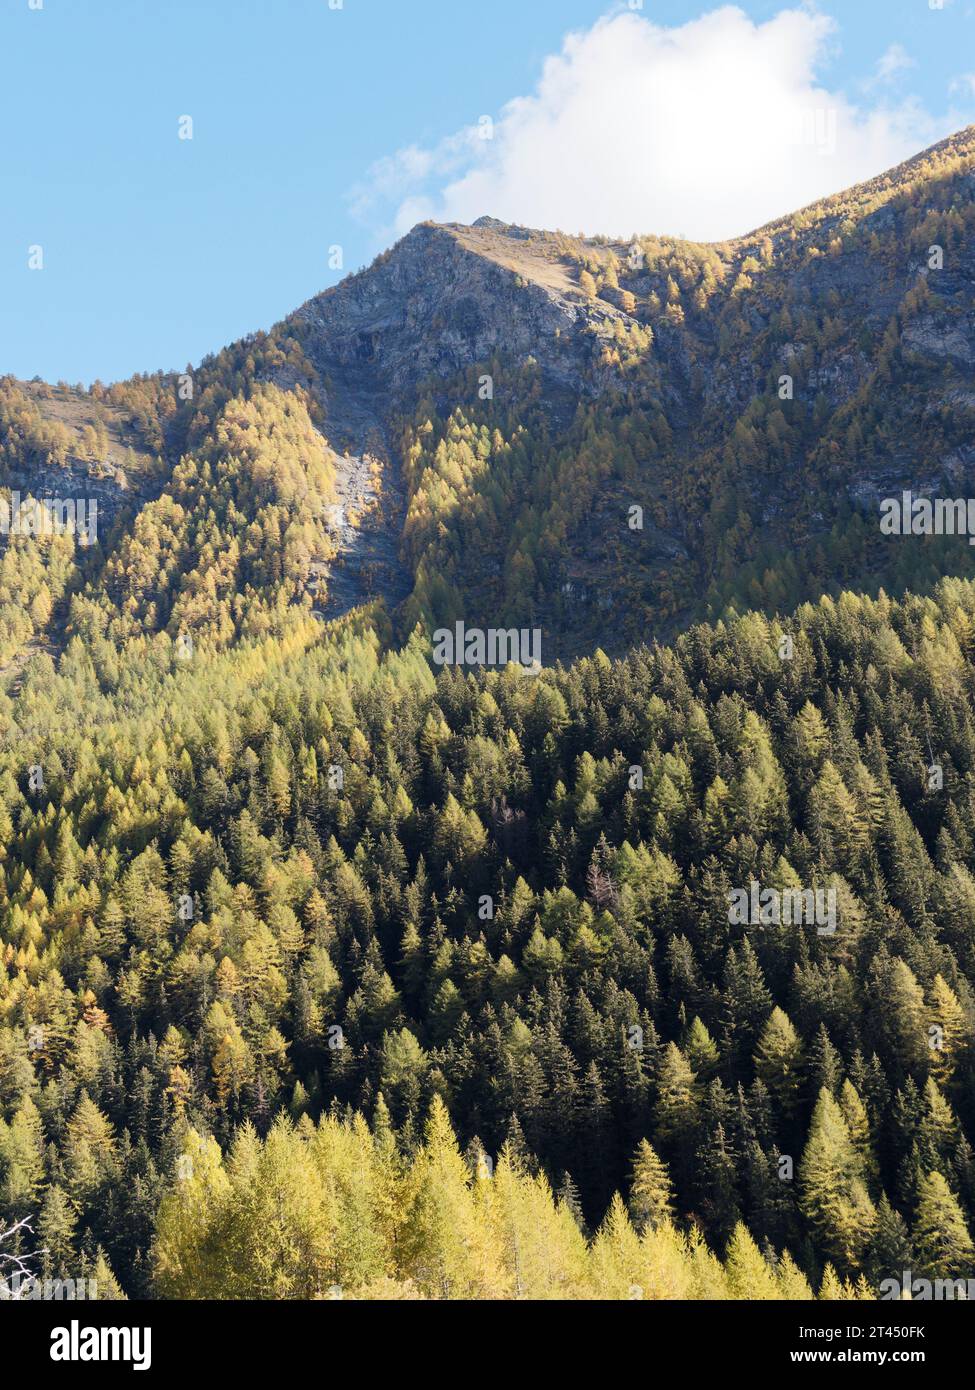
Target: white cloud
(706, 130)
(963, 86)
(896, 60)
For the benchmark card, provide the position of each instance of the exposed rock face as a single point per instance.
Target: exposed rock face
(443, 300)
(447, 298)
(77, 481)
(365, 525)
(953, 339)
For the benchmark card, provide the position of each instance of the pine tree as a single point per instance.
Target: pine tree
(651, 1195)
(890, 1249)
(943, 1247)
(616, 1257)
(956, 1031)
(717, 1185)
(701, 1051)
(56, 1229)
(749, 1276)
(858, 1123)
(833, 1194)
(793, 1284)
(440, 1238)
(568, 1197)
(676, 1110)
(106, 1285)
(825, 1063)
(778, 1062)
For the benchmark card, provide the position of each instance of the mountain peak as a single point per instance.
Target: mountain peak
(448, 296)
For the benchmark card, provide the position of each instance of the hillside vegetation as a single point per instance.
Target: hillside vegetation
(323, 968)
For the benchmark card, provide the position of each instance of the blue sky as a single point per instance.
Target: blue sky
(315, 127)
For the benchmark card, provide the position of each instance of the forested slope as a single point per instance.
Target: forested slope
(324, 967)
(304, 876)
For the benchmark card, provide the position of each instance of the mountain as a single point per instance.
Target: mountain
(755, 399)
(652, 374)
(322, 964)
